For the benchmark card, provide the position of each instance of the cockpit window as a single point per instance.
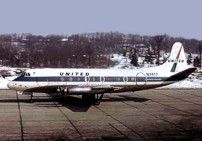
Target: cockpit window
(25, 74)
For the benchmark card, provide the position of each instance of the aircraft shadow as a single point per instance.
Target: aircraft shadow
(124, 98)
(74, 103)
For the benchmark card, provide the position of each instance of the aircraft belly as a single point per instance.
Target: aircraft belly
(95, 88)
(22, 86)
(148, 85)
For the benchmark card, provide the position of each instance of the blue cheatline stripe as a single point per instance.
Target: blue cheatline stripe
(95, 79)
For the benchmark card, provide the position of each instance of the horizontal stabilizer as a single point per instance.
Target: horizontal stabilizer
(182, 75)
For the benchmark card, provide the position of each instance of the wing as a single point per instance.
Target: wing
(75, 89)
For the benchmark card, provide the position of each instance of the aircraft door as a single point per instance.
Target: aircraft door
(42, 81)
(141, 79)
(125, 79)
(87, 79)
(102, 79)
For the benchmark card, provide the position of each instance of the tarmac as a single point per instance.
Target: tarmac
(144, 115)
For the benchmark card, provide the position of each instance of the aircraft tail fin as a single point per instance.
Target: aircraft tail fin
(177, 52)
(177, 60)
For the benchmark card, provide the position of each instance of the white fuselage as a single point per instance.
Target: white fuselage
(99, 79)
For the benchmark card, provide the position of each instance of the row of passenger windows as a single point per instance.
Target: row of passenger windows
(98, 79)
(83, 79)
(88, 79)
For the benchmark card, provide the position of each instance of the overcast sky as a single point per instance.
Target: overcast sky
(178, 18)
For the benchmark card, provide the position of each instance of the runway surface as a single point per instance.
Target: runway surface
(145, 115)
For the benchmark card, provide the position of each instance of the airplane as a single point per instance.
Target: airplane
(93, 83)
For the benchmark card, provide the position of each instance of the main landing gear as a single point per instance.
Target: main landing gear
(94, 99)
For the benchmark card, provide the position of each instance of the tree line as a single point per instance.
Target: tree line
(78, 50)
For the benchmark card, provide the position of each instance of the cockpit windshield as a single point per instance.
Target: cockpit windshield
(25, 74)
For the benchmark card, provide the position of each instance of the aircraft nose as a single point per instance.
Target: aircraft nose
(10, 85)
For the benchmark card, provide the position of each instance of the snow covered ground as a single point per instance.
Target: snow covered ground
(9, 74)
(122, 62)
(189, 83)
(5, 81)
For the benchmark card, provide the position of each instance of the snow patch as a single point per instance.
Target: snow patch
(4, 82)
(189, 83)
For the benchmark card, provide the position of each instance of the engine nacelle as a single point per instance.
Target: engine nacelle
(79, 89)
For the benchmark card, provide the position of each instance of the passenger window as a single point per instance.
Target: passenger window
(92, 79)
(70, 78)
(125, 79)
(132, 78)
(62, 79)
